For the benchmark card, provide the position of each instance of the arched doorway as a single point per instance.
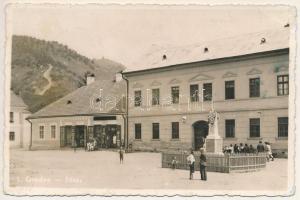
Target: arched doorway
(200, 133)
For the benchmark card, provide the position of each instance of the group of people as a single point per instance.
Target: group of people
(191, 162)
(245, 148)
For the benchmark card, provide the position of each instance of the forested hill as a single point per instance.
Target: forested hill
(44, 71)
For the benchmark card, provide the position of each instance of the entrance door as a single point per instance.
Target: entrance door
(68, 135)
(200, 133)
(80, 136)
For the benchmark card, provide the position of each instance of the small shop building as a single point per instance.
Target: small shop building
(92, 112)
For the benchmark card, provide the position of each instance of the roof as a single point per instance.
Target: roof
(100, 97)
(16, 100)
(222, 48)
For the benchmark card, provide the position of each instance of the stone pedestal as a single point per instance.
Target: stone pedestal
(214, 145)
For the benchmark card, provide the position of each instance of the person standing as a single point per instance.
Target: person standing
(121, 154)
(269, 151)
(203, 165)
(260, 147)
(191, 163)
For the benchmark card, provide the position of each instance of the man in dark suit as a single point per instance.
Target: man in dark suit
(260, 147)
(203, 165)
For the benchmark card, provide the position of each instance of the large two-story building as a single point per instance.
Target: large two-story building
(244, 78)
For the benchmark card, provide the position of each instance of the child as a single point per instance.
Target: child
(191, 163)
(174, 163)
(121, 153)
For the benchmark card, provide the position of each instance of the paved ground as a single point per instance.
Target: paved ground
(140, 171)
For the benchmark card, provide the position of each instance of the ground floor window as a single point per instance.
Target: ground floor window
(42, 128)
(138, 131)
(175, 130)
(283, 126)
(12, 136)
(155, 131)
(53, 131)
(229, 128)
(255, 127)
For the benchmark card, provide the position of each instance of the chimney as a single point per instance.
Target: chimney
(118, 77)
(90, 78)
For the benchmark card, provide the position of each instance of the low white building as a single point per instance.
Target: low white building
(95, 111)
(19, 129)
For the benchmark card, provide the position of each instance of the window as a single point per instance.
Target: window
(137, 98)
(194, 93)
(155, 96)
(282, 85)
(255, 127)
(42, 132)
(229, 89)
(138, 131)
(53, 131)
(12, 136)
(11, 117)
(175, 130)
(229, 128)
(283, 126)
(175, 94)
(155, 131)
(254, 87)
(207, 91)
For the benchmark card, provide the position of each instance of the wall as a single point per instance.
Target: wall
(20, 126)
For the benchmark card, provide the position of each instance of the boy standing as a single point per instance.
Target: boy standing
(191, 163)
(121, 153)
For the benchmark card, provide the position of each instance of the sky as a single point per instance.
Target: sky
(126, 33)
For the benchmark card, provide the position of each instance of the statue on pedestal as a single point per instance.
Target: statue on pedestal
(214, 143)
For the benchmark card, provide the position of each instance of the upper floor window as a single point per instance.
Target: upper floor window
(283, 126)
(255, 127)
(254, 87)
(155, 131)
(194, 93)
(282, 85)
(155, 96)
(11, 117)
(229, 128)
(53, 131)
(12, 136)
(175, 94)
(175, 130)
(42, 134)
(138, 131)
(207, 91)
(137, 98)
(229, 89)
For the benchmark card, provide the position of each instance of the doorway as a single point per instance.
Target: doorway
(200, 133)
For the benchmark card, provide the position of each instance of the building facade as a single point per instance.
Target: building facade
(93, 112)
(245, 80)
(19, 129)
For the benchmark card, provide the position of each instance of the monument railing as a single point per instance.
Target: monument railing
(224, 163)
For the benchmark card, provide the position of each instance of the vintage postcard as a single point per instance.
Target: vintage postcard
(106, 99)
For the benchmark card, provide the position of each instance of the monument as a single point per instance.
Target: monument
(214, 143)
